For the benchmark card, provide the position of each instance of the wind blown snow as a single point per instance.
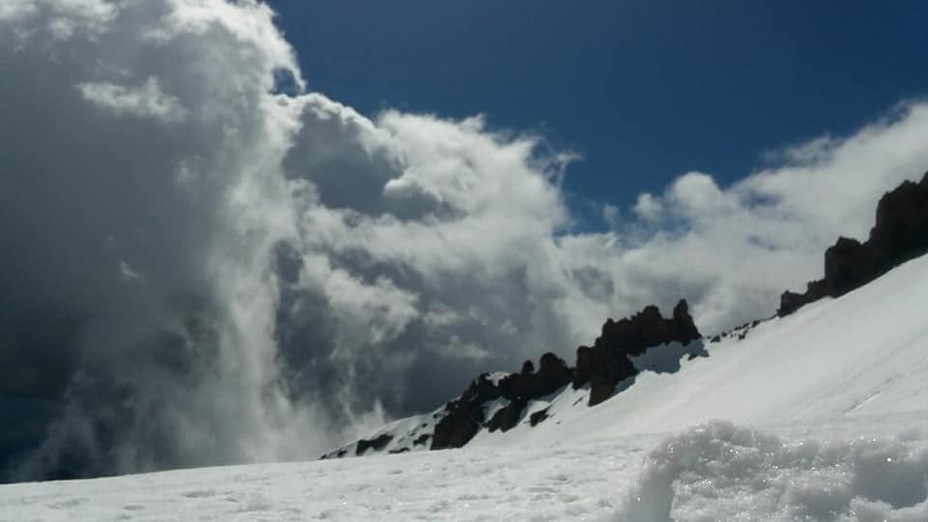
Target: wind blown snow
(199, 268)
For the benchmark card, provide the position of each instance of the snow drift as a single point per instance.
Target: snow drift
(720, 471)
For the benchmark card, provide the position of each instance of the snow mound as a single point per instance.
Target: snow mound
(721, 471)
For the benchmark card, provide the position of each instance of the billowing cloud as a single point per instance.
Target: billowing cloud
(146, 100)
(199, 269)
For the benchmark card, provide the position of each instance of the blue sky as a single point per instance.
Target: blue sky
(646, 90)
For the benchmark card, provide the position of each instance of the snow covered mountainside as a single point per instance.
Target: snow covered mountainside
(834, 395)
(861, 355)
(500, 402)
(630, 348)
(819, 413)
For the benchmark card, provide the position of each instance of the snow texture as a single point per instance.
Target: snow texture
(824, 419)
(720, 471)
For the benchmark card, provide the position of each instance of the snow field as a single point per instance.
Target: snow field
(826, 419)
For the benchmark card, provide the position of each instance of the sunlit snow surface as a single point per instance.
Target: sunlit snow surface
(827, 419)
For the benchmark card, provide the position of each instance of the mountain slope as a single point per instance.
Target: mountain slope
(499, 402)
(830, 401)
(865, 353)
(862, 354)
(629, 350)
(834, 393)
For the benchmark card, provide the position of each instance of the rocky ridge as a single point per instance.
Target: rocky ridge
(499, 402)
(900, 234)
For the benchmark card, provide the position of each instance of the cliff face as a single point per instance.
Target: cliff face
(900, 234)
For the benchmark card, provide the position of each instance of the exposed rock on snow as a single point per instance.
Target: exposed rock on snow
(603, 366)
(647, 341)
(377, 443)
(900, 234)
(607, 362)
(499, 402)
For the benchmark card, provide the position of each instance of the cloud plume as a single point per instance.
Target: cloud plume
(198, 268)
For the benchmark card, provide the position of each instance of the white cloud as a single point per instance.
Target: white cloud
(305, 265)
(62, 19)
(648, 207)
(146, 100)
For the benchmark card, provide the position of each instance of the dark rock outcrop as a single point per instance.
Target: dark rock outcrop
(464, 415)
(603, 366)
(607, 367)
(608, 362)
(508, 416)
(378, 443)
(900, 234)
(553, 374)
(538, 417)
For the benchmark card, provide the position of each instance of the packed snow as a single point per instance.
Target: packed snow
(822, 415)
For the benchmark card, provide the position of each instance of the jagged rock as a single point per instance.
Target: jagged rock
(528, 367)
(684, 329)
(508, 416)
(464, 416)
(603, 366)
(378, 443)
(848, 264)
(607, 362)
(791, 301)
(538, 417)
(648, 328)
(456, 428)
(553, 374)
(900, 234)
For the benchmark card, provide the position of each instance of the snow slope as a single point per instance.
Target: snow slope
(863, 354)
(825, 418)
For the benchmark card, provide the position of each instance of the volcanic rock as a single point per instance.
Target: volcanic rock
(464, 415)
(900, 234)
(607, 362)
(603, 366)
